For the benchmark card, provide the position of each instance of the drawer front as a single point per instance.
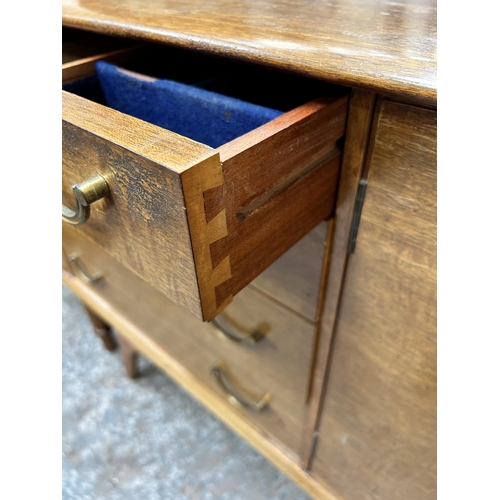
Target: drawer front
(276, 367)
(142, 222)
(197, 223)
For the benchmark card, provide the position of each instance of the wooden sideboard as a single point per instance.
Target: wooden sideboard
(320, 276)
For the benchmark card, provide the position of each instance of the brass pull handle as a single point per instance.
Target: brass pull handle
(81, 271)
(218, 372)
(86, 193)
(251, 336)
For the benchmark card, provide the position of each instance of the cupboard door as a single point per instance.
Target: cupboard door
(377, 433)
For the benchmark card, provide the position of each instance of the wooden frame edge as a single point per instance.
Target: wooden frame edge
(360, 120)
(81, 68)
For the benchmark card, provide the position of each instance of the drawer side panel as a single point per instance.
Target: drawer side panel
(280, 181)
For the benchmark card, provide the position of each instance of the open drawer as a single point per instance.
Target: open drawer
(198, 223)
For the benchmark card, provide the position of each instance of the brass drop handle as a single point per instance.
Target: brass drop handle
(219, 373)
(82, 273)
(86, 193)
(250, 337)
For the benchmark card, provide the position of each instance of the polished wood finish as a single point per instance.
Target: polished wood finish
(377, 437)
(102, 330)
(353, 374)
(320, 305)
(221, 225)
(278, 364)
(294, 279)
(359, 125)
(141, 164)
(386, 46)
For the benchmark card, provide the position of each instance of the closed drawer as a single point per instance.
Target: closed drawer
(200, 223)
(276, 367)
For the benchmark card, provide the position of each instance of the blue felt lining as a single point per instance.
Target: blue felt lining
(204, 116)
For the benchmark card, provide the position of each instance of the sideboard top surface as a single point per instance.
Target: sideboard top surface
(383, 45)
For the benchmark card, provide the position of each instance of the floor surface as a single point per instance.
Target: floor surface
(147, 439)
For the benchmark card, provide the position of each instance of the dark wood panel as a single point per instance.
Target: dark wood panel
(77, 44)
(384, 46)
(377, 437)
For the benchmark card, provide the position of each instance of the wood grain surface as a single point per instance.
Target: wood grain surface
(294, 279)
(361, 107)
(65, 262)
(143, 222)
(280, 181)
(384, 46)
(81, 68)
(198, 227)
(377, 436)
(278, 364)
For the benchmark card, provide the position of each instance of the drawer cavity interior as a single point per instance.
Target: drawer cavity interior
(207, 99)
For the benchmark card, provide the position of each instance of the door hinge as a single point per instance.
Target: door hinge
(313, 446)
(358, 207)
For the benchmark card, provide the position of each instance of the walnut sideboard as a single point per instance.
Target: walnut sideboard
(285, 277)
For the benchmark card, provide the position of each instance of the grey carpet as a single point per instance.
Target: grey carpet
(147, 439)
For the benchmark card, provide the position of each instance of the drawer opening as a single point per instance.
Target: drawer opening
(200, 221)
(203, 98)
(189, 110)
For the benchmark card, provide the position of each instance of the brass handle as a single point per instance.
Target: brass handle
(251, 336)
(81, 271)
(218, 372)
(86, 193)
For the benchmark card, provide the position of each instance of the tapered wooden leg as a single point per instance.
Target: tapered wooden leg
(129, 357)
(102, 330)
